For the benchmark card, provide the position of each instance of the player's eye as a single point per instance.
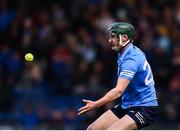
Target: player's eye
(112, 35)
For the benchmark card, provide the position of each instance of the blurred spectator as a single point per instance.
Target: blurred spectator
(29, 119)
(175, 82)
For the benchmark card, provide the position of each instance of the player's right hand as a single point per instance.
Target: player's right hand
(89, 106)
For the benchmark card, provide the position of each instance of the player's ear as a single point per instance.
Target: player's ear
(124, 37)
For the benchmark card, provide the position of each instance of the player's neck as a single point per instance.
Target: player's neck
(123, 49)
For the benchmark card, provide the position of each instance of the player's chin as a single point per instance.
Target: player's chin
(114, 48)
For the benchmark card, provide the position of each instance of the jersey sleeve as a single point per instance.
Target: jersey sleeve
(128, 69)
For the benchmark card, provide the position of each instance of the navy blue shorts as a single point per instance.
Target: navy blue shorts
(142, 115)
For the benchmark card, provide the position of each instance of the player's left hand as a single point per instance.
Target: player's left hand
(89, 106)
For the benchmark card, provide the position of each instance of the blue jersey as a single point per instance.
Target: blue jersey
(132, 65)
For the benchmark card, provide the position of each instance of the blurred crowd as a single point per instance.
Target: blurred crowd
(73, 61)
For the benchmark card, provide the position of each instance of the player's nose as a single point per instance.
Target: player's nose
(110, 40)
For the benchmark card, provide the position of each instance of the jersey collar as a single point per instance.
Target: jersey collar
(125, 51)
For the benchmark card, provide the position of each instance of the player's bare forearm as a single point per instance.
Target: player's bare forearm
(115, 92)
(109, 97)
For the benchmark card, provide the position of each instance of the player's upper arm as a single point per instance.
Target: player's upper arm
(128, 69)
